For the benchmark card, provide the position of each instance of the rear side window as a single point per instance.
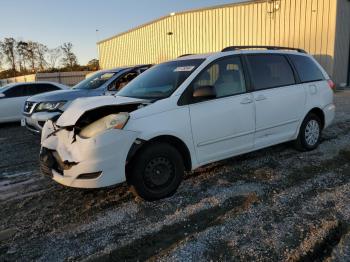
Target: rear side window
(46, 88)
(32, 90)
(35, 89)
(16, 91)
(29, 90)
(268, 71)
(307, 70)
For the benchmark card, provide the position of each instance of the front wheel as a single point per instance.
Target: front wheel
(157, 171)
(309, 134)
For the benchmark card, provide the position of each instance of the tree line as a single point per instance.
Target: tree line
(25, 57)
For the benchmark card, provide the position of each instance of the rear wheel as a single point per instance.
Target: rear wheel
(309, 134)
(157, 171)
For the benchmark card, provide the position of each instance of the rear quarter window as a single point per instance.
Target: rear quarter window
(35, 89)
(306, 68)
(268, 71)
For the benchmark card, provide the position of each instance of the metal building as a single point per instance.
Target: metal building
(321, 27)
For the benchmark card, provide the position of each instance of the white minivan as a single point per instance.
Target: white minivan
(188, 112)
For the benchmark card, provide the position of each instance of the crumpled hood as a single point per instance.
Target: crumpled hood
(59, 95)
(79, 106)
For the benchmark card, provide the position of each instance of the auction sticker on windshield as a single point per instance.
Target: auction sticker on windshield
(184, 68)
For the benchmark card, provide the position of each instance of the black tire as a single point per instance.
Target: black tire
(156, 171)
(302, 143)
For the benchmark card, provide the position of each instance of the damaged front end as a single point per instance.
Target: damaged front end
(87, 147)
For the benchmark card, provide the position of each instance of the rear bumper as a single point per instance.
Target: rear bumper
(329, 114)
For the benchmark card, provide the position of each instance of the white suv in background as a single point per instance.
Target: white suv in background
(186, 113)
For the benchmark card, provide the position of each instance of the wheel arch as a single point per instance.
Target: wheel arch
(176, 142)
(318, 112)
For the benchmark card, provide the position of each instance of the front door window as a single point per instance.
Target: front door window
(225, 76)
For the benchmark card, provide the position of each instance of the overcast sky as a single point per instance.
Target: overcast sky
(55, 22)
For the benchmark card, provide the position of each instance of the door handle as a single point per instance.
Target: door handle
(246, 100)
(260, 98)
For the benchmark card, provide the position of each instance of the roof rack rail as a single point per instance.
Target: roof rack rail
(234, 48)
(184, 55)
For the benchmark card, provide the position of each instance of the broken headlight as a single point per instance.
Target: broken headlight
(49, 106)
(117, 121)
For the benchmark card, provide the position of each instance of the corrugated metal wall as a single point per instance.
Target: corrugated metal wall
(307, 24)
(341, 68)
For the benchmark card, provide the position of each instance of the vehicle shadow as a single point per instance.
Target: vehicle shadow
(10, 124)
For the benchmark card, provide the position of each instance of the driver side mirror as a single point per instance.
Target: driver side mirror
(203, 93)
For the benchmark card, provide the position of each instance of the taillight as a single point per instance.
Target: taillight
(331, 84)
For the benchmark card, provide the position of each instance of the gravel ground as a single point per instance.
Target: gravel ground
(275, 204)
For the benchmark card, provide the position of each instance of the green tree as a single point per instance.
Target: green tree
(93, 64)
(41, 51)
(8, 47)
(69, 59)
(1, 60)
(21, 49)
(53, 55)
(31, 54)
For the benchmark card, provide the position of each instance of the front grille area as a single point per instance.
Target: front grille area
(28, 107)
(50, 160)
(47, 162)
(62, 165)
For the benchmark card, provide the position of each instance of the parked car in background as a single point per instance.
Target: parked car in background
(13, 97)
(186, 113)
(40, 108)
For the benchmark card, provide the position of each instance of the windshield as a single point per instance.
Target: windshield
(160, 81)
(94, 81)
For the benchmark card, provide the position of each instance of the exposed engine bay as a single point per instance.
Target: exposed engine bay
(91, 116)
(98, 113)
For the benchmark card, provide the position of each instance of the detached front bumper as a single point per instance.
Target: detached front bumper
(86, 163)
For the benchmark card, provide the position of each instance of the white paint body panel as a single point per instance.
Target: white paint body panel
(278, 114)
(11, 108)
(164, 118)
(211, 130)
(104, 153)
(222, 127)
(81, 105)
